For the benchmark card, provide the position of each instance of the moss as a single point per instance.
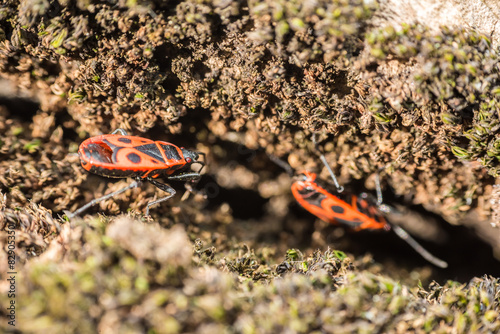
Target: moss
(454, 67)
(100, 266)
(238, 81)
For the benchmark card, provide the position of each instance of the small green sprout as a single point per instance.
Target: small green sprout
(59, 39)
(340, 255)
(460, 152)
(32, 146)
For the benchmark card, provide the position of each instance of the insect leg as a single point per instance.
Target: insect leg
(419, 248)
(134, 184)
(380, 201)
(339, 187)
(379, 190)
(165, 187)
(190, 176)
(120, 131)
(323, 159)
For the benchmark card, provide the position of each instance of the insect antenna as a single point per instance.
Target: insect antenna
(202, 163)
(193, 182)
(283, 164)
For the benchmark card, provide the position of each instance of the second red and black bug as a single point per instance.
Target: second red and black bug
(336, 206)
(119, 155)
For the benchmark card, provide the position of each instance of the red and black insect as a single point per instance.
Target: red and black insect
(336, 206)
(119, 155)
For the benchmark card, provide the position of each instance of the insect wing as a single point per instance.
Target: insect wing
(120, 156)
(326, 203)
(323, 205)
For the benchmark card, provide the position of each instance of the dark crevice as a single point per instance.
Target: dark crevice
(245, 203)
(20, 107)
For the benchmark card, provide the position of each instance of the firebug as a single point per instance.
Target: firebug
(337, 206)
(119, 155)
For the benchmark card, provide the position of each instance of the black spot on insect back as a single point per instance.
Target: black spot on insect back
(337, 209)
(134, 158)
(124, 140)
